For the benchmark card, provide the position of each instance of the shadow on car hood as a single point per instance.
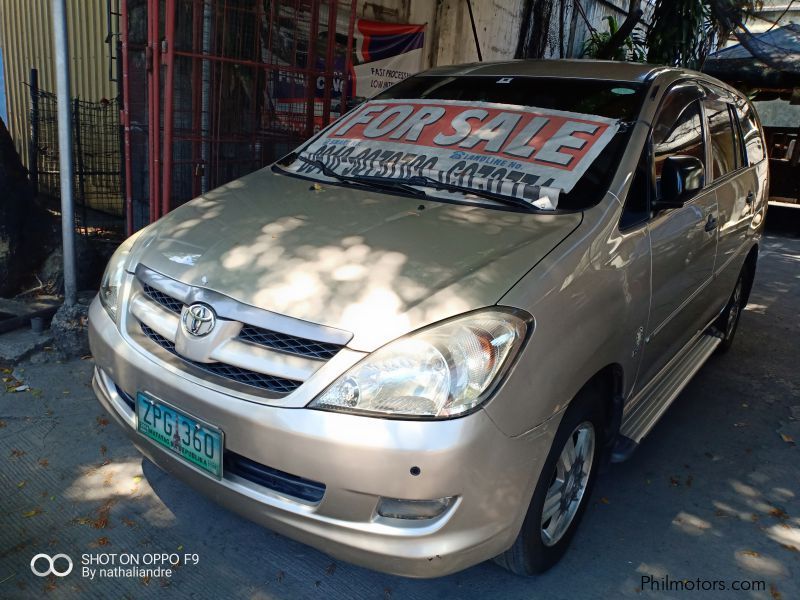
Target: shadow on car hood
(371, 263)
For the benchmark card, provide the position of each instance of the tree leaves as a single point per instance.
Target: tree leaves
(632, 47)
(684, 32)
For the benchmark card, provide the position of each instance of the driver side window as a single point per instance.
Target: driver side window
(677, 130)
(675, 135)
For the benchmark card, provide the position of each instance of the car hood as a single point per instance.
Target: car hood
(371, 263)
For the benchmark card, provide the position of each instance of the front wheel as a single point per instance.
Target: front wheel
(563, 490)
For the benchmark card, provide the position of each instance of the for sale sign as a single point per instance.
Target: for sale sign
(513, 150)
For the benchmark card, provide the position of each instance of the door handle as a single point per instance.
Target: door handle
(750, 197)
(711, 224)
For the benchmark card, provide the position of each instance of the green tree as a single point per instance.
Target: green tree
(684, 32)
(613, 45)
(681, 33)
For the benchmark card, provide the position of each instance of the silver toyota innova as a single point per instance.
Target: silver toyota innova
(411, 342)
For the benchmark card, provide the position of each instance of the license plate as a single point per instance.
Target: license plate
(195, 442)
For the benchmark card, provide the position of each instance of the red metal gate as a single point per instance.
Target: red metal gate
(214, 89)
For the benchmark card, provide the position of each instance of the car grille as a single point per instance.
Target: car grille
(256, 335)
(168, 302)
(244, 376)
(126, 398)
(251, 357)
(273, 479)
(288, 343)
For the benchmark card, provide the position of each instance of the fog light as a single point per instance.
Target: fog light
(393, 508)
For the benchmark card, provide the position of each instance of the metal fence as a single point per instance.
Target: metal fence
(96, 158)
(216, 89)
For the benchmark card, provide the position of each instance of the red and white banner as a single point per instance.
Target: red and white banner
(507, 149)
(385, 53)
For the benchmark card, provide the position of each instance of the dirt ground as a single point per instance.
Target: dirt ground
(712, 497)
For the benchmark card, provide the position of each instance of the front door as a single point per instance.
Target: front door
(683, 240)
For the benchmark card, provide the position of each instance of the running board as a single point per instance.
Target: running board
(657, 397)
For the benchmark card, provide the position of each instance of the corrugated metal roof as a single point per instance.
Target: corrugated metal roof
(27, 41)
(778, 42)
(778, 65)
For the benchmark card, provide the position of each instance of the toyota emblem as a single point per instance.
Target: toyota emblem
(199, 320)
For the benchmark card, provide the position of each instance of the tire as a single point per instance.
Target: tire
(532, 551)
(728, 321)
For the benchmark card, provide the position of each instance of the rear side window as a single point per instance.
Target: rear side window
(753, 143)
(724, 149)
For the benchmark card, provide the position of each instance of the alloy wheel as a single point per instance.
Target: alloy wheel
(568, 483)
(735, 309)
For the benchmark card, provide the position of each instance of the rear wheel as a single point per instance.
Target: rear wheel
(728, 321)
(563, 489)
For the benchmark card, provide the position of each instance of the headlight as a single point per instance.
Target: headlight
(439, 372)
(114, 277)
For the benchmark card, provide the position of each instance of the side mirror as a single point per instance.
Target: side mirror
(681, 178)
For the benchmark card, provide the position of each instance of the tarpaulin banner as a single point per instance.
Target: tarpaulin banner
(385, 53)
(507, 149)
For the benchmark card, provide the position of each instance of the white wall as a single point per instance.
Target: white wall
(497, 23)
(771, 11)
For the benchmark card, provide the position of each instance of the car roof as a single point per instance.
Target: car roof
(566, 68)
(610, 70)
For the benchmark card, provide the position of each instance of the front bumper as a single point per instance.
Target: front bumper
(358, 459)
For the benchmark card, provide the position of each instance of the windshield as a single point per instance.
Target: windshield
(540, 143)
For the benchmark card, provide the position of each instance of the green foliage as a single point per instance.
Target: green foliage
(631, 49)
(684, 32)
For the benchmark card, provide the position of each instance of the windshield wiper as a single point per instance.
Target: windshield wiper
(381, 182)
(423, 180)
(411, 184)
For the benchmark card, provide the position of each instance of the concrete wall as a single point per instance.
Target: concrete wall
(778, 113)
(449, 37)
(770, 12)
(497, 22)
